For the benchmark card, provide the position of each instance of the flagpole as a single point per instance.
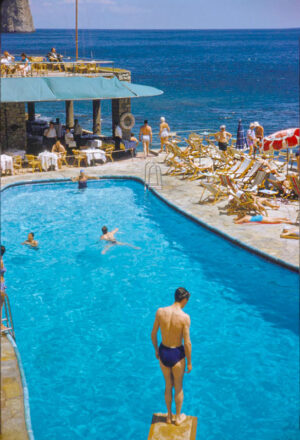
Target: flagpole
(76, 28)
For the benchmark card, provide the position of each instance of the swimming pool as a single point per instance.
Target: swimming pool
(83, 320)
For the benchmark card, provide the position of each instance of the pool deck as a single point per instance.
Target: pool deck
(185, 195)
(12, 398)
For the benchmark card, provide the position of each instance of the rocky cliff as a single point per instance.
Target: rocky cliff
(16, 16)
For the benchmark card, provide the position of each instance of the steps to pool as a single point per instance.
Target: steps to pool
(160, 430)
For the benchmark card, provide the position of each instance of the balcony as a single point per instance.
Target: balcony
(41, 67)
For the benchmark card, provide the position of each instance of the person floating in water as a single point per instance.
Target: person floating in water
(82, 179)
(31, 241)
(109, 236)
(174, 326)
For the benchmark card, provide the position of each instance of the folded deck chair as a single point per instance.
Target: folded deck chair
(215, 192)
(251, 172)
(240, 201)
(257, 182)
(295, 184)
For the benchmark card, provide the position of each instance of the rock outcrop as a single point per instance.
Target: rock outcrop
(16, 16)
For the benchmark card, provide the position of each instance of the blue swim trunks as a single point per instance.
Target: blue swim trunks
(170, 356)
(256, 218)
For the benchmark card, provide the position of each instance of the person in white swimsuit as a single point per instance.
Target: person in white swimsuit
(146, 137)
(164, 132)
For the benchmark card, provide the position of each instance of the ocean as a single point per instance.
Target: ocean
(209, 77)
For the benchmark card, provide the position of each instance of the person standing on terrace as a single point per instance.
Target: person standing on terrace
(164, 131)
(146, 137)
(174, 326)
(50, 136)
(223, 137)
(251, 138)
(259, 133)
(118, 136)
(77, 132)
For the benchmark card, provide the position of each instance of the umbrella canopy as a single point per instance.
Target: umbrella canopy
(241, 140)
(288, 138)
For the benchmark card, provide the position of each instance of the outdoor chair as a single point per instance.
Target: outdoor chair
(79, 157)
(257, 182)
(216, 193)
(109, 151)
(294, 182)
(34, 162)
(17, 163)
(241, 201)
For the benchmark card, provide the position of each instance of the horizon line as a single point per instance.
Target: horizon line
(169, 29)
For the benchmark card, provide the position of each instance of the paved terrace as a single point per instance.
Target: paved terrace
(12, 404)
(185, 194)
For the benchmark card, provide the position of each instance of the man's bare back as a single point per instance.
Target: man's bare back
(172, 322)
(109, 236)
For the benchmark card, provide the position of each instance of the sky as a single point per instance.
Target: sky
(167, 14)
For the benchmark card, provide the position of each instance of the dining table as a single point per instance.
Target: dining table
(7, 163)
(94, 154)
(48, 159)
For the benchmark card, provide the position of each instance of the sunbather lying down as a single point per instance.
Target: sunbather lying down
(262, 219)
(290, 233)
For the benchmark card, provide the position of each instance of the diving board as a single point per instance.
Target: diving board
(160, 430)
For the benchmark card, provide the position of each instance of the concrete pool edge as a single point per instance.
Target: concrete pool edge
(235, 241)
(24, 387)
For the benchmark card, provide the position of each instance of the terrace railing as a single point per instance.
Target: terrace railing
(40, 66)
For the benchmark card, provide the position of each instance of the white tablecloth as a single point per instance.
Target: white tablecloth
(94, 143)
(48, 159)
(92, 154)
(6, 163)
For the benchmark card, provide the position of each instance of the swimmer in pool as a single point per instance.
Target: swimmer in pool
(174, 326)
(31, 241)
(262, 219)
(109, 236)
(82, 179)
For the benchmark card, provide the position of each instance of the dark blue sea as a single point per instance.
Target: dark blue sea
(208, 77)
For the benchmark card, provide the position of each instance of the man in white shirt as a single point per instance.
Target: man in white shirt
(118, 136)
(50, 136)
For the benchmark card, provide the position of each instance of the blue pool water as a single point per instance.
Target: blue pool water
(208, 77)
(83, 320)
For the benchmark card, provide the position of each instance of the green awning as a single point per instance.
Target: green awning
(40, 89)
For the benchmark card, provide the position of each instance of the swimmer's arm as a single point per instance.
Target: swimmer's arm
(115, 230)
(74, 179)
(154, 334)
(187, 343)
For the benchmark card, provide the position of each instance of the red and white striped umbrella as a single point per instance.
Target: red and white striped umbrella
(288, 138)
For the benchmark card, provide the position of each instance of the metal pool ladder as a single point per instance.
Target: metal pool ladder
(7, 325)
(149, 167)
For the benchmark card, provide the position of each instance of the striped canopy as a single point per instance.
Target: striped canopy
(288, 138)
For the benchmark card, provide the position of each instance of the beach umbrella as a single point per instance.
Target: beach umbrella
(282, 139)
(241, 140)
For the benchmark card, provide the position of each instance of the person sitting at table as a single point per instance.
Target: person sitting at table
(31, 241)
(54, 56)
(69, 140)
(7, 58)
(25, 67)
(60, 150)
(50, 136)
(77, 132)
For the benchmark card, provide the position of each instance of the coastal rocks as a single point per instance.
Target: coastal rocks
(16, 16)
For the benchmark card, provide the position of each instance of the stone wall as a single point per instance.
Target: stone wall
(12, 126)
(15, 16)
(120, 106)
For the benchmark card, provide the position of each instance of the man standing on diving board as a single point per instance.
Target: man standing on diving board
(174, 326)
